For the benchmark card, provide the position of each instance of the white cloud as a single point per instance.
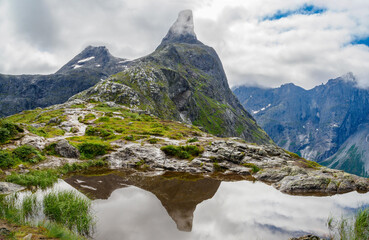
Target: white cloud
(304, 49)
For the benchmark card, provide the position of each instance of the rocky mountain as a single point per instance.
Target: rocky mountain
(182, 80)
(327, 123)
(23, 92)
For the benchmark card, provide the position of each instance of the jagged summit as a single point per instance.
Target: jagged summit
(182, 31)
(94, 58)
(348, 78)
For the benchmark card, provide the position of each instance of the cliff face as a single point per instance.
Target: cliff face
(315, 123)
(183, 80)
(23, 92)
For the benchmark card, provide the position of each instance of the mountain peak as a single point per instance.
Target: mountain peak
(182, 31)
(94, 58)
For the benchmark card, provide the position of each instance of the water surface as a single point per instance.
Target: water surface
(155, 207)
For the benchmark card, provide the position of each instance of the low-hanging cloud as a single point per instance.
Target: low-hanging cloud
(308, 43)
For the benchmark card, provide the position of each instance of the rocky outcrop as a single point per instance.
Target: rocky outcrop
(64, 149)
(266, 163)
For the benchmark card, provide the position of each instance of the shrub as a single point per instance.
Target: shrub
(70, 209)
(4, 135)
(8, 130)
(6, 160)
(183, 152)
(90, 150)
(38, 178)
(27, 153)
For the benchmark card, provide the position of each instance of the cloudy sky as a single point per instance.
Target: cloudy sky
(261, 42)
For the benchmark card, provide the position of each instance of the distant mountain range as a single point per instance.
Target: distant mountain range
(328, 124)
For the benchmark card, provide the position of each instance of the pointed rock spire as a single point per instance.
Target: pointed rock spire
(182, 31)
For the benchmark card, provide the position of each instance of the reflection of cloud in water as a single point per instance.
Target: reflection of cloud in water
(132, 213)
(237, 207)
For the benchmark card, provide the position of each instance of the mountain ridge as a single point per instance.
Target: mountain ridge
(314, 123)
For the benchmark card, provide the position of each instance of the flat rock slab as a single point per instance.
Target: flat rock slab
(7, 188)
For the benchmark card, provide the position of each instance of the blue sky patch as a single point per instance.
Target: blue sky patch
(306, 9)
(364, 41)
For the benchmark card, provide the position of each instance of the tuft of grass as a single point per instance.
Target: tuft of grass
(30, 206)
(182, 152)
(8, 130)
(55, 230)
(9, 210)
(70, 209)
(153, 140)
(293, 155)
(253, 167)
(27, 153)
(99, 132)
(90, 150)
(78, 167)
(356, 228)
(50, 149)
(6, 160)
(217, 167)
(191, 140)
(39, 178)
(47, 131)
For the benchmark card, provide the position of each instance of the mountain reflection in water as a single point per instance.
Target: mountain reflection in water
(130, 206)
(178, 194)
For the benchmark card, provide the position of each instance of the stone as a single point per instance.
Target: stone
(4, 231)
(7, 188)
(64, 149)
(54, 121)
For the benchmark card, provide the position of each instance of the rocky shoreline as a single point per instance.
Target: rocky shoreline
(267, 163)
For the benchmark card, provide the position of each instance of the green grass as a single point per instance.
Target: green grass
(100, 132)
(356, 228)
(6, 160)
(253, 167)
(90, 150)
(47, 131)
(55, 230)
(153, 140)
(39, 178)
(79, 167)
(30, 206)
(70, 209)
(192, 140)
(182, 152)
(8, 130)
(28, 153)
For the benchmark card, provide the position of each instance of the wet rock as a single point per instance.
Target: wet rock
(7, 188)
(64, 149)
(303, 184)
